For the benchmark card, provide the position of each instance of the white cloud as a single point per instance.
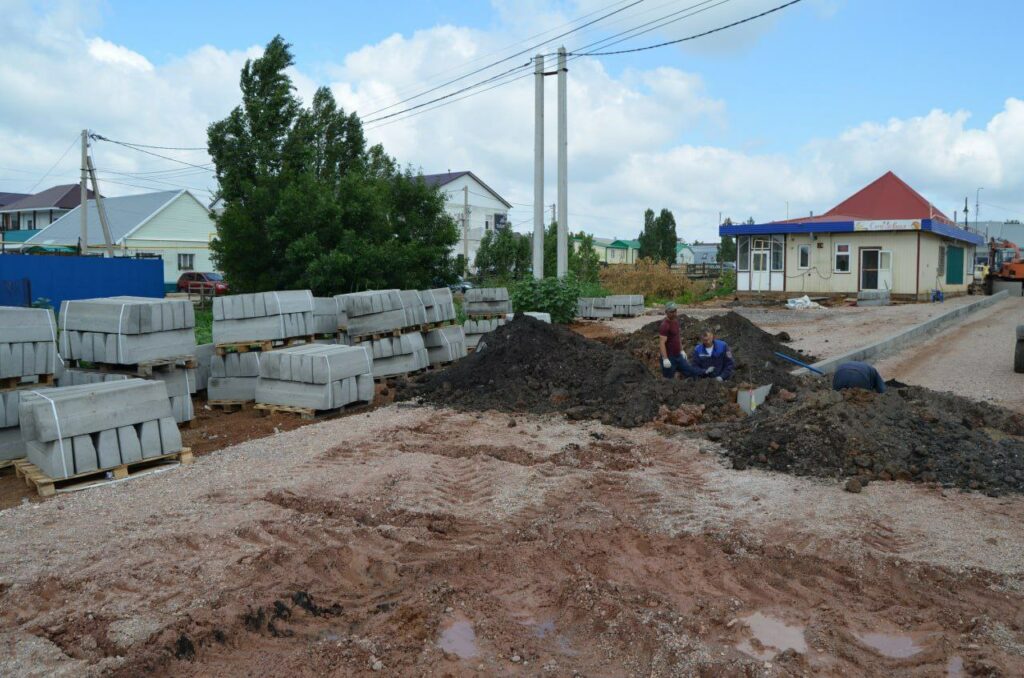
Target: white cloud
(629, 145)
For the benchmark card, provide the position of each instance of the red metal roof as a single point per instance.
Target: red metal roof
(887, 197)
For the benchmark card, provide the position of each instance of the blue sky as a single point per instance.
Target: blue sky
(802, 107)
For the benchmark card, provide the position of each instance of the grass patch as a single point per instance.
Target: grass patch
(204, 325)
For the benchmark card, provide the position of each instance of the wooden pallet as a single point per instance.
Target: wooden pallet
(143, 369)
(16, 384)
(46, 486)
(264, 345)
(381, 380)
(438, 325)
(306, 413)
(7, 463)
(378, 335)
(229, 405)
(440, 365)
(486, 316)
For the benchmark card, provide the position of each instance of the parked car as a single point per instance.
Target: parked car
(196, 281)
(461, 286)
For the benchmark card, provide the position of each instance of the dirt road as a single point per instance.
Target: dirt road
(413, 541)
(973, 359)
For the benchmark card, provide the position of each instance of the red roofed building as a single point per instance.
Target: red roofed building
(886, 237)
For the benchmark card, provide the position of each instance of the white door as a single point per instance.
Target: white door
(885, 270)
(760, 256)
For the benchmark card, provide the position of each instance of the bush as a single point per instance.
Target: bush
(549, 295)
(653, 279)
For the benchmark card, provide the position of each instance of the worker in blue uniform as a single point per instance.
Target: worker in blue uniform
(713, 357)
(857, 375)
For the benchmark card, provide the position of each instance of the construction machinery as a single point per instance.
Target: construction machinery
(1004, 263)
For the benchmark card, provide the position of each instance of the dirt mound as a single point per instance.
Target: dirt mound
(907, 434)
(753, 349)
(532, 366)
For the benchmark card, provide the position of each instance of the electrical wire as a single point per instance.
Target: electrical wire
(696, 35)
(54, 166)
(100, 137)
(660, 22)
(501, 61)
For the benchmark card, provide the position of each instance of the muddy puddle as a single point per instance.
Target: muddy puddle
(771, 636)
(459, 639)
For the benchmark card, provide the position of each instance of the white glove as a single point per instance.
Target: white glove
(666, 363)
(709, 370)
(718, 379)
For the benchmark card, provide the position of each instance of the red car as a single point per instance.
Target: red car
(194, 281)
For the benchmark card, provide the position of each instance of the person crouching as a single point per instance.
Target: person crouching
(712, 357)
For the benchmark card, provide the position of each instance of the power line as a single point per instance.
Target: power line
(697, 35)
(100, 137)
(501, 61)
(661, 22)
(162, 148)
(54, 166)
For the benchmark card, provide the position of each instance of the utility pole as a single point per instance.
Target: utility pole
(553, 217)
(100, 209)
(562, 268)
(83, 238)
(977, 206)
(538, 167)
(465, 226)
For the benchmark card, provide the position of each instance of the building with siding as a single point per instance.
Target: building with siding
(487, 210)
(622, 252)
(173, 225)
(884, 237)
(22, 217)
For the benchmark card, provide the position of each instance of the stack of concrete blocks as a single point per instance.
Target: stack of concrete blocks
(486, 309)
(78, 429)
(415, 309)
(264, 316)
(234, 376)
(181, 384)
(204, 357)
(595, 308)
(438, 305)
(316, 376)
(627, 305)
(445, 344)
(402, 354)
(28, 352)
(127, 330)
(371, 312)
(326, 313)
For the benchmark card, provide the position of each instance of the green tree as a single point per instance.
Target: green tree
(583, 260)
(503, 254)
(727, 249)
(658, 239)
(308, 205)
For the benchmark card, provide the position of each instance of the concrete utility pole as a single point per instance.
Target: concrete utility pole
(83, 244)
(538, 167)
(465, 226)
(100, 209)
(977, 206)
(553, 217)
(563, 169)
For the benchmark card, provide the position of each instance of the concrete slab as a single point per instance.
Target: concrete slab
(128, 444)
(108, 454)
(85, 454)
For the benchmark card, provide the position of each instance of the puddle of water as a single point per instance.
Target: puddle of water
(955, 667)
(892, 645)
(774, 635)
(543, 629)
(459, 639)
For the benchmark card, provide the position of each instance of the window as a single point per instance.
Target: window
(743, 253)
(803, 256)
(842, 264)
(942, 260)
(778, 254)
(186, 262)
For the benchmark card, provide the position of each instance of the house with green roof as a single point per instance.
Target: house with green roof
(623, 252)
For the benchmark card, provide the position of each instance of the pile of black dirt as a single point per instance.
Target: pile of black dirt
(753, 349)
(908, 434)
(532, 366)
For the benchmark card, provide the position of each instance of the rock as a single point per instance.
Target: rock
(783, 336)
(715, 434)
(377, 665)
(515, 659)
(853, 485)
(786, 396)
(511, 422)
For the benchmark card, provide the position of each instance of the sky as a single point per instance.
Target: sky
(784, 115)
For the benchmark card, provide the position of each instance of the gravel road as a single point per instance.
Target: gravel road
(973, 359)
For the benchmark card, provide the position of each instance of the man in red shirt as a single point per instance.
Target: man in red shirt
(672, 358)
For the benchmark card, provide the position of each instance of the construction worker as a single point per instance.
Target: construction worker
(712, 357)
(857, 375)
(672, 358)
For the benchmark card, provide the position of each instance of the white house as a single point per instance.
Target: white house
(171, 224)
(464, 191)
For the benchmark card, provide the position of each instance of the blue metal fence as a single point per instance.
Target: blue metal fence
(57, 278)
(16, 292)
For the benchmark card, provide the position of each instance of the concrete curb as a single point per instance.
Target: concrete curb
(908, 336)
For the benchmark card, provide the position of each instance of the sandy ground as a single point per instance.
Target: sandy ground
(415, 541)
(973, 359)
(822, 332)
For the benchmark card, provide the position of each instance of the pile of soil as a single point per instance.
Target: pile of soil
(907, 434)
(753, 349)
(531, 366)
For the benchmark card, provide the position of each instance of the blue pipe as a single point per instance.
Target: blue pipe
(801, 364)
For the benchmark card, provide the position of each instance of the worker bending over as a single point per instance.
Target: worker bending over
(712, 357)
(857, 375)
(672, 358)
